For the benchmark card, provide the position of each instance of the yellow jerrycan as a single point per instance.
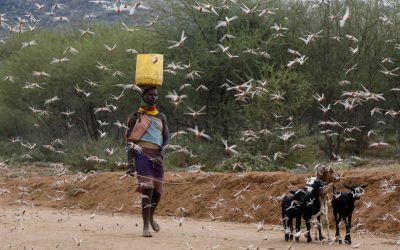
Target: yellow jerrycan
(149, 70)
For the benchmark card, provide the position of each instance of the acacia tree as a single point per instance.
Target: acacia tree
(216, 62)
(331, 53)
(79, 71)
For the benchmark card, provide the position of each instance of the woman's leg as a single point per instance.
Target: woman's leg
(146, 210)
(154, 202)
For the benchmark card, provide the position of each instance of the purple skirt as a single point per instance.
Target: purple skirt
(149, 174)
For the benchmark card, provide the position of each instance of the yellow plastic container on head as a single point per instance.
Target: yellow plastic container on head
(149, 70)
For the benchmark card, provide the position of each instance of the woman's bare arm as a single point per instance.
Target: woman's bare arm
(131, 153)
(165, 134)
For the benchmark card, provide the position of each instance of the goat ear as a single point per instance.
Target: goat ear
(364, 186)
(318, 169)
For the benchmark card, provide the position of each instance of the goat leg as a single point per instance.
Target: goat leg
(298, 224)
(319, 225)
(337, 220)
(286, 228)
(316, 233)
(326, 218)
(347, 238)
(308, 226)
(321, 237)
(291, 227)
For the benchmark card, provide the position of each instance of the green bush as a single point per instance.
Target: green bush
(246, 162)
(81, 149)
(10, 151)
(204, 152)
(226, 116)
(309, 155)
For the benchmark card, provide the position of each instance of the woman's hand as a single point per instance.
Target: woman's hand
(157, 160)
(131, 172)
(163, 151)
(131, 162)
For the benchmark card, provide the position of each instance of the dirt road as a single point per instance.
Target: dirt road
(58, 208)
(246, 199)
(46, 228)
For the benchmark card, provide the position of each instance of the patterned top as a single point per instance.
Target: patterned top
(154, 132)
(147, 128)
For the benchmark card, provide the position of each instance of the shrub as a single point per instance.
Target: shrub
(80, 150)
(245, 162)
(309, 155)
(204, 152)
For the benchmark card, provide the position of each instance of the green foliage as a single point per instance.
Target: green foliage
(198, 152)
(308, 156)
(259, 54)
(246, 162)
(64, 77)
(9, 150)
(350, 163)
(297, 99)
(79, 150)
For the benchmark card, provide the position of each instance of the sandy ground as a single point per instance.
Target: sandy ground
(59, 208)
(46, 228)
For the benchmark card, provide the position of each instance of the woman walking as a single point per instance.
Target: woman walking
(146, 138)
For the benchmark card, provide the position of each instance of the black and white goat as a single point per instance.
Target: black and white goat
(304, 204)
(343, 206)
(291, 209)
(312, 206)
